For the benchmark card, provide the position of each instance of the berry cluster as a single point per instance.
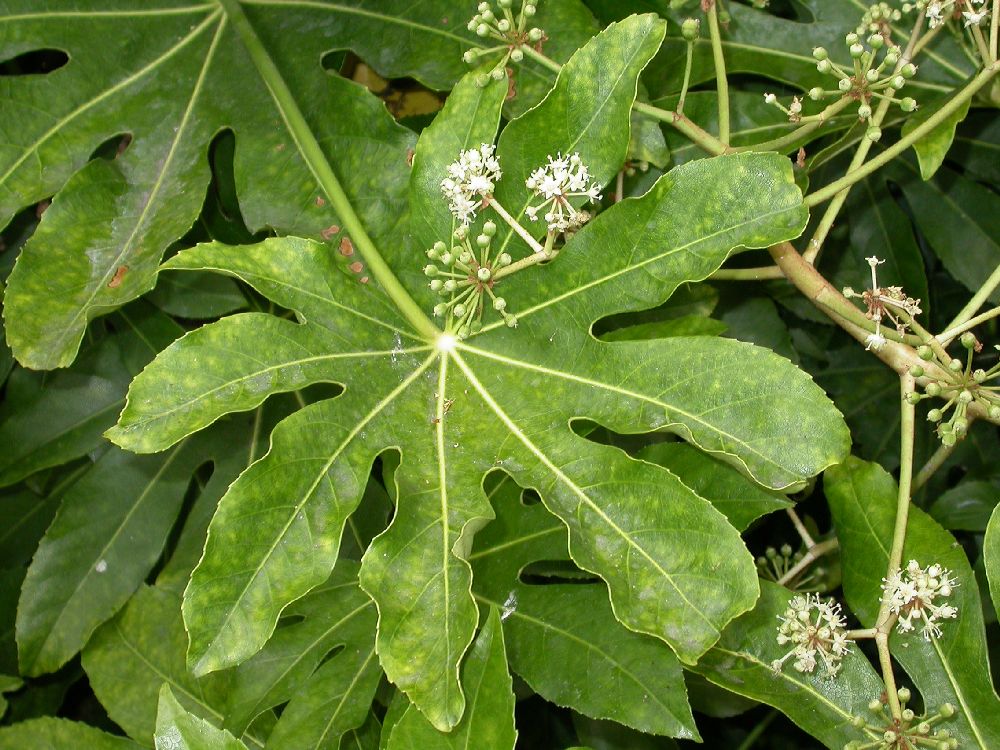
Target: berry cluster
(907, 732)
(503, 26)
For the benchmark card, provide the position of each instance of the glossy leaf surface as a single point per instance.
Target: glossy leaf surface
(953, 668)
(176, 729)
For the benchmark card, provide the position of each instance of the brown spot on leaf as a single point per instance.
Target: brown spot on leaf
(319, 201)
(116, 280)
(329, 232)
(280, 147)
(363, 279)
(346, 247)
(357, 266)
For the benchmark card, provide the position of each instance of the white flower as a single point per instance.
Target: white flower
(815, 629)
(564, 177)
(973, 18)
(473, 176)
(875, 342)
(911, 595)
(934, 12)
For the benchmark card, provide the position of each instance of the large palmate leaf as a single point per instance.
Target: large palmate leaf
(101, 240)
(503, 399)
(952, 668)
(562, 637)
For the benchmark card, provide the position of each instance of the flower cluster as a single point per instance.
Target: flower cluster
(911, 595)
(884, 302)
(906, 732)
(562, 178)
(973, 12)
(878, 19)
(473, 176)
(467, 279)
(867, 78)
(512, 32)
(815, 629)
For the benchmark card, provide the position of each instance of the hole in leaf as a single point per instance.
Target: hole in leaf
(530, 497)
(36, 62)
(113, 147)
(329, 655)
(547, 572)
(288, 620)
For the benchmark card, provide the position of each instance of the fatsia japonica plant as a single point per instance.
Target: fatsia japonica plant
(392, 375)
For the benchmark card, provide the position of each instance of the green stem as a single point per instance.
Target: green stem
(721, 83)
(978, 299)
(994, 30)
(883, 621)
(754, 734)
(984, 50)
(515, 225)
(761, 273)
(815, 552)
(801, 529)
(706, 141)
(687, 78)
(970, 90)
(531, 260)
(789, 139)
(315, 159)
(948, 336)
(932, 465)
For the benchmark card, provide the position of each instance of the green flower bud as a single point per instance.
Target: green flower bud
(872, 75)
(511, 321)
(858, 722)
(933, 389)
(483, 7)
(503, 25)
(948, 439)
(925, 353)
(450, 285)
(816, 93)
(503, 259)
(516, 55)
(903, 694)
(487, 14)
(463, 332)
(786, 550)
(844, 84)
(890, 736)
(965, 397)
(960, 426)
(469, 56)
(979, 375)
(771, 553)
(461, 232)
(820, 53)
(875, 706)
(535, 35)
(465, 257)
(505, 3)
(917, 371)
(691, 29)
(892, 57)
(968, 340)
(857, 50)
(724, 17)
(851, 39)
(873, 134)
(499, 304)
(864, 112)
(483, 240)
(437, 285)
(447, 258)
(908, 104)
(908, 71)
(471, 25)
(483, 274)
(898, 82)
(440, 309)
(823, 66)
(529, 10)
(947, 710)
(430, 270)
(482, 30)
(907, 714)
(923, 728)
(913, 398)
(482, 80)
(955, 365)
(460, 310)
(489, 229)
(934, 415)
(875, 41)
(498, 74)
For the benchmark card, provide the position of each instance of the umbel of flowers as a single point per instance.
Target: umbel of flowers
(500, 24)
(914, 595)
(816, 631)
(908, 732)
(466, 270)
